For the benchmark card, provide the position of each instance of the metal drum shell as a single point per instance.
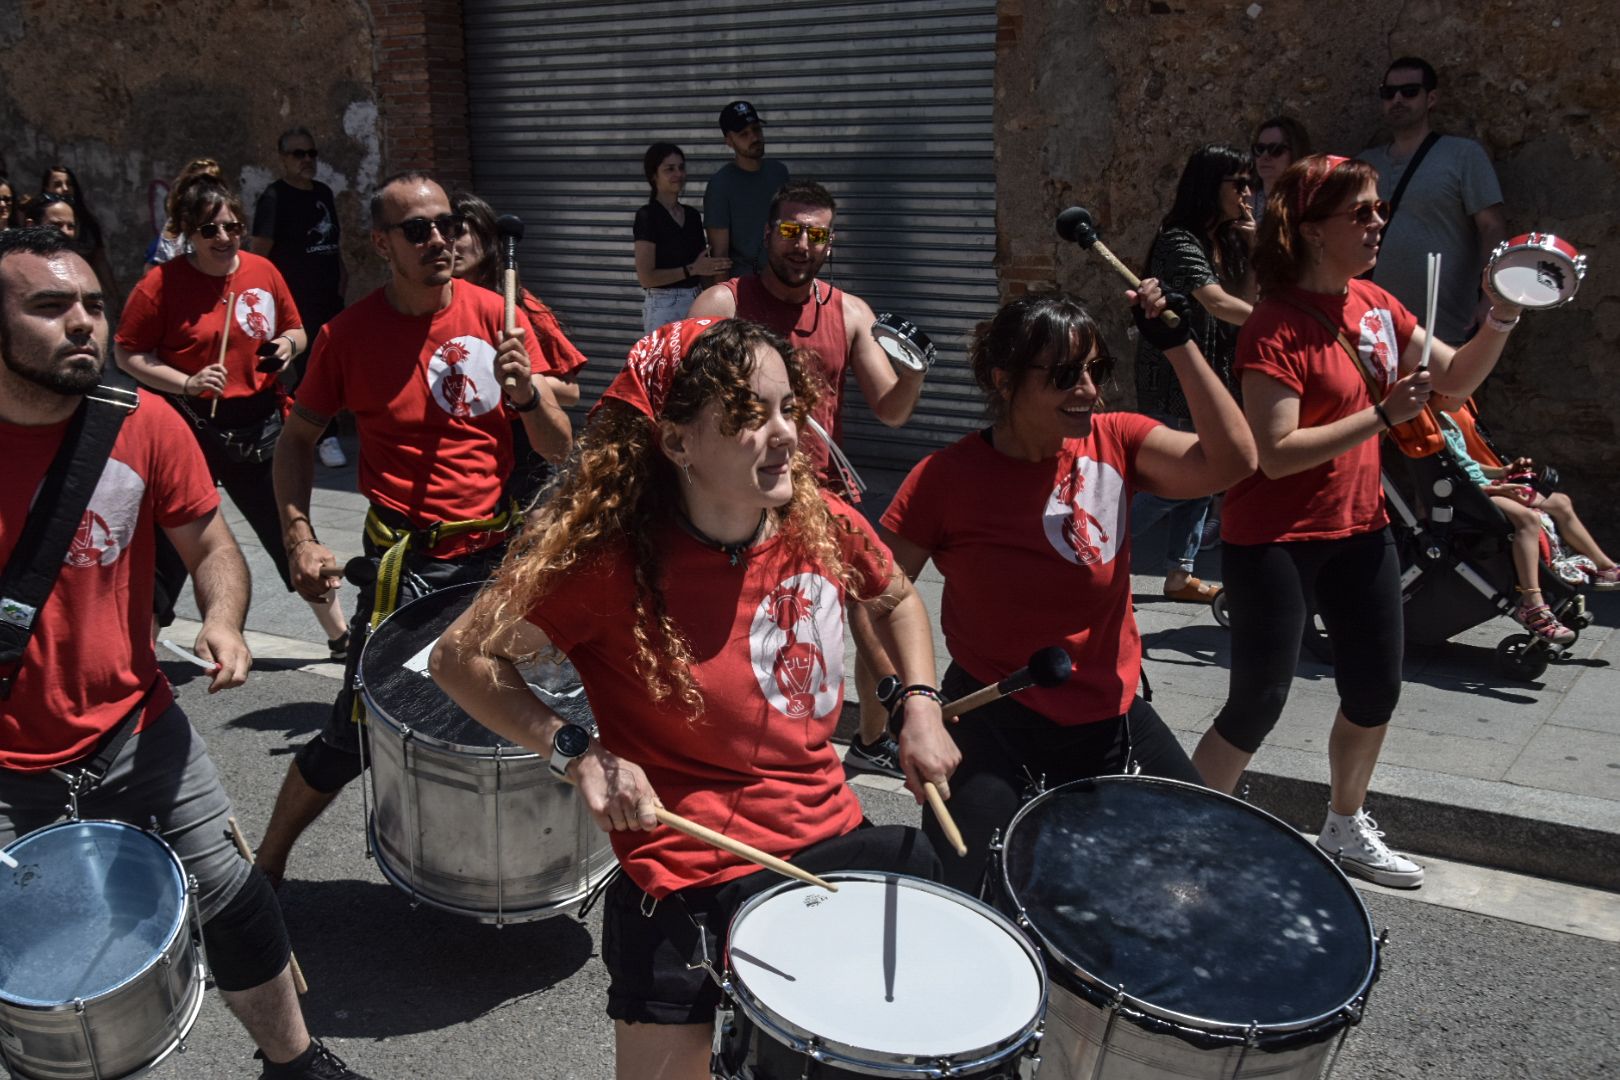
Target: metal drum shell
(124, 1031)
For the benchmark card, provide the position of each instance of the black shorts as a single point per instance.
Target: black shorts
(648, 947)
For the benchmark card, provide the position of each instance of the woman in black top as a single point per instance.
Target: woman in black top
(1202, 250)
(672, 252)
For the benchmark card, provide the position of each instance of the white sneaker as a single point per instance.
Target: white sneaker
(1358, 843)
(331, 453)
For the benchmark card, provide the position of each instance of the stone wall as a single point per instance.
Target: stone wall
(1099, 103)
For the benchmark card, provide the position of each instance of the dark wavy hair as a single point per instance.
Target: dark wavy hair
(1036, 328)
(196, 202)
(654, 157)
(1311, 189)
(1197, 209)
(89, 224)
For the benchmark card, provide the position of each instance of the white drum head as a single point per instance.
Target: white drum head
(888, 966)
(1535, 277)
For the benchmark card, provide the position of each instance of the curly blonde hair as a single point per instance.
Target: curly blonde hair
(618, 492)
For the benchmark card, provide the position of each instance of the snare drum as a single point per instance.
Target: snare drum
(1537, 270)
(463, 819)
(890, 976)
(101, 973)
(1188, 934)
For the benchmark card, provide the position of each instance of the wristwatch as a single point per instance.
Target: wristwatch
(570, 742)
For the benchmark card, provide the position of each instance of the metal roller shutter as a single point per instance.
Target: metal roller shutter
(886, 103)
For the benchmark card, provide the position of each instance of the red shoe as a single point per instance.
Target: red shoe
(1541, 622)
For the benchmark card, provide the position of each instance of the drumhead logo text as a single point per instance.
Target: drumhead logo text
(461, 374)
(796, 644)
(1085, 514)
(1550, 274)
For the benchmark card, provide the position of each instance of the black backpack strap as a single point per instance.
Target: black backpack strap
(58, 510)
(1406, 177)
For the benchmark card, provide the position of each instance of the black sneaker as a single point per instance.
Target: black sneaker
(881, 756)
(339, 647)
(316, 1063)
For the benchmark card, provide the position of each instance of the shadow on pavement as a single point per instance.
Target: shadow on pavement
(294, 718)
(376, 968)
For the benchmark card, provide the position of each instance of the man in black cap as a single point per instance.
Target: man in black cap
(739, 194)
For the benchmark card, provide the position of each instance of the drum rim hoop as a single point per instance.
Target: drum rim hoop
(1200, 1024)
(838, 1054)
(899, 328)
(1546, 244)
(182, 918)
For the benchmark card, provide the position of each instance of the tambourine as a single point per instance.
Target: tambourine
(1536, 270)
(904, 341)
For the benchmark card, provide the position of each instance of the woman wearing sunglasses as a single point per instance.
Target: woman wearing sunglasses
(1201, 250)
(1278, 143)
(1311, 523)
(1029, 522)
(169, 339)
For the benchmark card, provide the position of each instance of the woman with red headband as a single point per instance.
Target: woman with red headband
(696, 575)
(1311, 522)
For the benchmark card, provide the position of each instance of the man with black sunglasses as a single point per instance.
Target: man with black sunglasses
(1451, 203)
(295, 226)
(433, 380)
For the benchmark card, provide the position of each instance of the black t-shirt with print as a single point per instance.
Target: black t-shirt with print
(303, 229)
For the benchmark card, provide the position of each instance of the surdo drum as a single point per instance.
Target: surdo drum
(891, 976)
(1187, 933)
(1537, 270)
(101, 970)
(463, 819)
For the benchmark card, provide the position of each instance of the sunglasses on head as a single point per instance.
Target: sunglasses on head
(1270, 149)
(1406, 90)
(820, 235)
(211, 231)
(1066, 376)
(418, 229)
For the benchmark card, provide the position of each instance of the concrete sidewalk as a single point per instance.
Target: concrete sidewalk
(1518, 776)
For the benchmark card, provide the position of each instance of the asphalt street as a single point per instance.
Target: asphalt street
(403, 993)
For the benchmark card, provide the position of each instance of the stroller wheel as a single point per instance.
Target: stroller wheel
(1518, 657)
(1219, 610)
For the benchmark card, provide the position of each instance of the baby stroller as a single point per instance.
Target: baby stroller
(1457, 560)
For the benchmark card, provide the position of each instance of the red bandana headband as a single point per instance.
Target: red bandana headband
(649, 372)
(1311, 185)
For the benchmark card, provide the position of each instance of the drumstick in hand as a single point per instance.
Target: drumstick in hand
(247, 853)
(224, 338)
(739, 849)
(510, 229)
(1048, 667)
(888, 690)
(1076, 224)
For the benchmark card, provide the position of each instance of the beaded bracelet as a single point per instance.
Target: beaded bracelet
(310, 539)
(897, 706)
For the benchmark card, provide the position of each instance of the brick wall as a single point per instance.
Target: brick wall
(421, 88)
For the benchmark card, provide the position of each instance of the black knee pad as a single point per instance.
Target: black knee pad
(324, 767)
(247, 941)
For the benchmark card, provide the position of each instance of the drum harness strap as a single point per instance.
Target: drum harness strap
(398, 543)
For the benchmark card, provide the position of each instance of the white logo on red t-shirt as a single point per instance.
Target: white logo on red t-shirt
(461, 374)
(796, 643)
(109, 521)
(1085, 514)
(1379, 351)
(256, 314)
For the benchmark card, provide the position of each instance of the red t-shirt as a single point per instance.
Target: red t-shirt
(178, 313)
(1338, 498)
(90, 658)
(817, 325)
(1035, 554)
(562, 358)
(435, 434)
(767, 639)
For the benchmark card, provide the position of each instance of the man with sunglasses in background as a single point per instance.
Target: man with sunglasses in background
(787, 296)
(1451, 203)
(295, 226)
(737, 195)
(433, 380)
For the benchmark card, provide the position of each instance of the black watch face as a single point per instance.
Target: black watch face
(572, 740)
(887, 688)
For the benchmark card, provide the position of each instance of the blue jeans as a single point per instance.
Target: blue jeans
(1186, 516)
(666, 305)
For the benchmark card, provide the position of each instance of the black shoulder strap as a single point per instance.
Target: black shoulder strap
(1406, 177)
(35, 562)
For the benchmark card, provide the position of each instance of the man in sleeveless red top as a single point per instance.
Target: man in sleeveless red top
(812, 314)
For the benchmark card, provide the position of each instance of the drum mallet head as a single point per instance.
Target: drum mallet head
(509, 227)
(1077, 226)
(1050, 666)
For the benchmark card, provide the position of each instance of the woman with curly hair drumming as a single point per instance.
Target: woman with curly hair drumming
(697, 577)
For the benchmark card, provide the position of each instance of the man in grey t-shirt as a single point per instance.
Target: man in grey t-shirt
(1452, 205)
(738, 196)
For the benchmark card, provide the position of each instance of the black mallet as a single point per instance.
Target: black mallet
(1077, 226)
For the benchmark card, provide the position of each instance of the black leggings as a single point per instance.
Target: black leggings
(1007, 749)
(1356, 584)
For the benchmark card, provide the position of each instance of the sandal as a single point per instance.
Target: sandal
(1604, 580)
(1541, 622)
(1194, 592)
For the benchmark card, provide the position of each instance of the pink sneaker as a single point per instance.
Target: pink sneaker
(1540, 621)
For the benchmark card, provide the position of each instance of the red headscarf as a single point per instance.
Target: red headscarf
(650, 370)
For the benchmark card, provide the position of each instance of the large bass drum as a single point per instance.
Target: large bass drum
(101, 971)
(1187, 934)
(463, 819)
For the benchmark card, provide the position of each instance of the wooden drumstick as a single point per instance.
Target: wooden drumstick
(224, 338)
(1076, 224)
(739, 849)
(510, 229)
(936, 801)
(1048, 667)
(247, 853)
